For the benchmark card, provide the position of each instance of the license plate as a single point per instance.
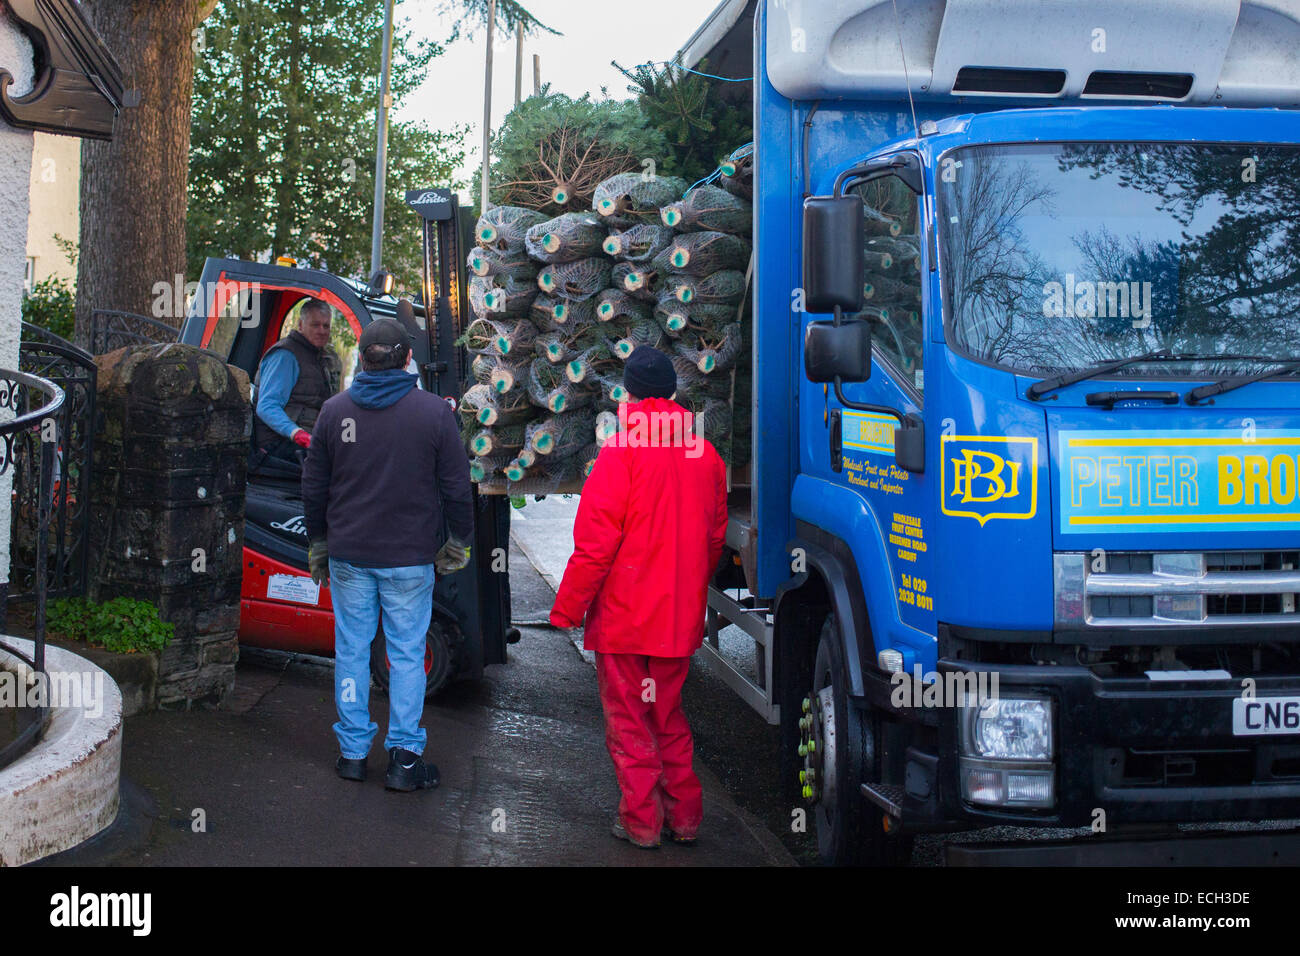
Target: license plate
(1265, 715)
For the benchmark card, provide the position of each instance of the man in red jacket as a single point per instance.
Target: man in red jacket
(647, 537)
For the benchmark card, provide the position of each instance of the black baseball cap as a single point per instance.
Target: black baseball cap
(386, 332)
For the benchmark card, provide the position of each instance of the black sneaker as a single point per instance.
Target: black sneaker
(350, 769)
(407, 771)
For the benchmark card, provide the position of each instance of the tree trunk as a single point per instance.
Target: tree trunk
(133, 188)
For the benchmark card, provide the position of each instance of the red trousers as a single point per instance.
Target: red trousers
(650, 743)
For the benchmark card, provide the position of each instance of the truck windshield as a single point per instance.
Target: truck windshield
(1063, 256)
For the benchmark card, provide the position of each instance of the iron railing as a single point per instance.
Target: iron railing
(111, 330)
(25, 421)
(73, 370)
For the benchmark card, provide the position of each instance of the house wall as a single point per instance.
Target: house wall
(55, 190)
(17, 58)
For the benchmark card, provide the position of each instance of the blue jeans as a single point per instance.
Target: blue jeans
(406, 596)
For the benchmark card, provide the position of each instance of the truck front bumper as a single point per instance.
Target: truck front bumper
(1140, 751)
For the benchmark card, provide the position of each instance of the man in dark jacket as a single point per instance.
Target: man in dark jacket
(386, 467)
(295, 377)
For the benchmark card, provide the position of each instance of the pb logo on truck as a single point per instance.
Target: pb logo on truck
(986, 478)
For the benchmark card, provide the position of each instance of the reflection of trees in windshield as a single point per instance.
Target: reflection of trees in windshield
(1206, 261)
(1238, 262)
(990, 269)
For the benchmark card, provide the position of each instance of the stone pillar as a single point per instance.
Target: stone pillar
(167, 507)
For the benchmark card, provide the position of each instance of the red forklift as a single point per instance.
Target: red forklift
(240, 311)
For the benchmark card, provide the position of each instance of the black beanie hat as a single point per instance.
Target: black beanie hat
(649, 373)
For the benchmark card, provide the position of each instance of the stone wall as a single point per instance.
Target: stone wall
(167, 506)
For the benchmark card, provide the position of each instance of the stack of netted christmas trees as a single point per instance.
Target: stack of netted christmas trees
(560, 303)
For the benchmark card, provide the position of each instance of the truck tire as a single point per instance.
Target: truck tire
(842, 753)
(437, 660)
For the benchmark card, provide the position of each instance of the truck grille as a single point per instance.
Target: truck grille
(1136, 589)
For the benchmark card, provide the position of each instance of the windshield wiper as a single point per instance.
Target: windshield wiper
(1039, 389)
(1227, 385)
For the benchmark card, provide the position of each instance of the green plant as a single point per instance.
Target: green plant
(51, 304)
(122, 625)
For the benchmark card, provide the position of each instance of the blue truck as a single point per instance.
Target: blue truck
(1021, 542)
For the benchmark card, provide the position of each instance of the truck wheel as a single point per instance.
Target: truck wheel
(437, 660)
(838, 744)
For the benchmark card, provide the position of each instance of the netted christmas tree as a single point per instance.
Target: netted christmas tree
(575, 281)
(638, 243)
(503, 228)
(566, 238)
(709, 209)
(629, 198)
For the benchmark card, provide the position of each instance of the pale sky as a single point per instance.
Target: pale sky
(595, 32)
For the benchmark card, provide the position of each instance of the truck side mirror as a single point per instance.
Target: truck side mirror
(833, 260)
(843, 351)
(909, 444)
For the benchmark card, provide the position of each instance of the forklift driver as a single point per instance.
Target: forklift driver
(294, 379)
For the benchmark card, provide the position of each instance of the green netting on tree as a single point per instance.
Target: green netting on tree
(496, 296)
(882, 290)
(629, 197)
(679, 320)
(586, 458)
(711, 353)
(504, 227)
(615, 304)
(877, 223)
(700, 253)
(893, 258)
(493, 262)
(562, 434)
(487, 406)
(738, 173)
(576, 281)
(693, 385)
(567, 238)
(488, 467)
(585, 367)
(639, 280)
(639, 243)
(500, 374)
(605, 427)
(626, 335)
(612, 390)
(500, 337)
(566, 344)
(550, 388)
(716, 288)
(709, 209)
(562, 315)
(499, 440)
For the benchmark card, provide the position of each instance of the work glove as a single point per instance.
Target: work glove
(318, 562)
(302, 437)
(451, 557)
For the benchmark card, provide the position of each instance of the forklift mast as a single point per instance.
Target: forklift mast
(447, 374)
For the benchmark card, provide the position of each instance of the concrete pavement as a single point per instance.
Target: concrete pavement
(525, 776)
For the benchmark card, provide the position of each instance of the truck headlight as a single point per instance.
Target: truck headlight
(1006, 752)
(1008, 728)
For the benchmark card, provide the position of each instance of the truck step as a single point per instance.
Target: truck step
(887, 796)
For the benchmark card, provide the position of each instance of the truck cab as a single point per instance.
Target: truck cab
(1022, 545)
